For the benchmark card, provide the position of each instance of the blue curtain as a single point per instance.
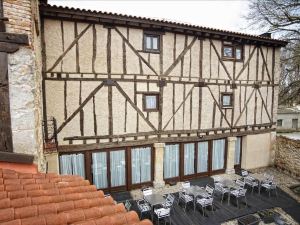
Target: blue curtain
(218, 154)
(117, 168)
(171, 161)
(100, 169)
(141, 165)
(72, 164)
(237, 152)
(202, 161)
(189, 159)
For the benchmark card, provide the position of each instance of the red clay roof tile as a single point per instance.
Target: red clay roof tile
(51, 199)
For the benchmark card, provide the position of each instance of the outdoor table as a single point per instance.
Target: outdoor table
(196, 191)
(260, 178)
(229, 184)
(154, 199)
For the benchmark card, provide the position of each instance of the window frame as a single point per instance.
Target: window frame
(151, 34)
(281, 120)
(234, 47)
(231, 100)
(145, 94)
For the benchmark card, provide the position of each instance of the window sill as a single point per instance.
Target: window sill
(150, 110)
(150, 51)
(227, 107)
(232, 59)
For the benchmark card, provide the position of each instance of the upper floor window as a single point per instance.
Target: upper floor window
(227, 100)
(150, 102)
(232, 52)
(152, 43)
(279, 123)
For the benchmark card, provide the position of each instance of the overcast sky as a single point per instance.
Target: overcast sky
(224, 14)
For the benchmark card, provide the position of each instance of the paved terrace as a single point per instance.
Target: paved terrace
(223, 212)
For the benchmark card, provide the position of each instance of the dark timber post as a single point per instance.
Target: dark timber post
(9, 43)
(5, 122)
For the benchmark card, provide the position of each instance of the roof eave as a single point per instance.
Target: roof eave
(146, 23)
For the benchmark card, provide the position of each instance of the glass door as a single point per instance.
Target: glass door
(202, 157)
(99, 169)
(188, 159)
(171, 162)
(72, 164)
(141, 165)
(218, 155)
(117, 168)
(238, 153)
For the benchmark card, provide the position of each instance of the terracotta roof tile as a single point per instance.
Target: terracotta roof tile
(51, 199)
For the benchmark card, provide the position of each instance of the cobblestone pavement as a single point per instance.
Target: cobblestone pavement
(286, 217)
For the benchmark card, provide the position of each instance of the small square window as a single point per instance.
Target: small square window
(232, 52)
(151, 43)
(150, 102)
(279, 123)
(227, 100)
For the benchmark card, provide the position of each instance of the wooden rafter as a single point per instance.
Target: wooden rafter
(181, 104)
(246, 64)
(134, 106)
(74, 42)
(178, 59)
(89, 97)
(245, 106)
(135, 51)
(219, 107)
(220, 60)
(264, 104)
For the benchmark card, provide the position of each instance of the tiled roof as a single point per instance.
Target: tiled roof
(51, 199)
(74, 12)
(288, 111)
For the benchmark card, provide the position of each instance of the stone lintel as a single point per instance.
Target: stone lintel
(159, 145)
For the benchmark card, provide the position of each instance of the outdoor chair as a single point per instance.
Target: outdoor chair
(269, 186)
(186, 184)
(251, 182)
(210, 190)
(221, 190)
(163, 213)
(204, 202)
(245, 173)
(170, 199)
(217, 179)
(240, 183)
(127, 205)
(185, 198)
(143, 207)
(241, 193)
(147, 191)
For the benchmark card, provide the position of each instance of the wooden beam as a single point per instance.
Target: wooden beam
(134, 106)
(8, 47)
(180, 57)
(135, 51)
(189, 93)
(14, 38)
(245, 106)
(265, 63)
(263, 102)
(74, 42)
(89, 97)
(220, 59)
(219, 107)
(246, 64)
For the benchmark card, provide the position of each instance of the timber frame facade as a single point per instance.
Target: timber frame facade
(96, 74)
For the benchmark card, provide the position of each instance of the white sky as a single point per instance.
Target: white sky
(226, 14)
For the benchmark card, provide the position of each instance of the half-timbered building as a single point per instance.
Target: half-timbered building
(138, 101)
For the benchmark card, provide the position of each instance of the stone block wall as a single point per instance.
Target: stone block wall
(287, 155)
(24, 72)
